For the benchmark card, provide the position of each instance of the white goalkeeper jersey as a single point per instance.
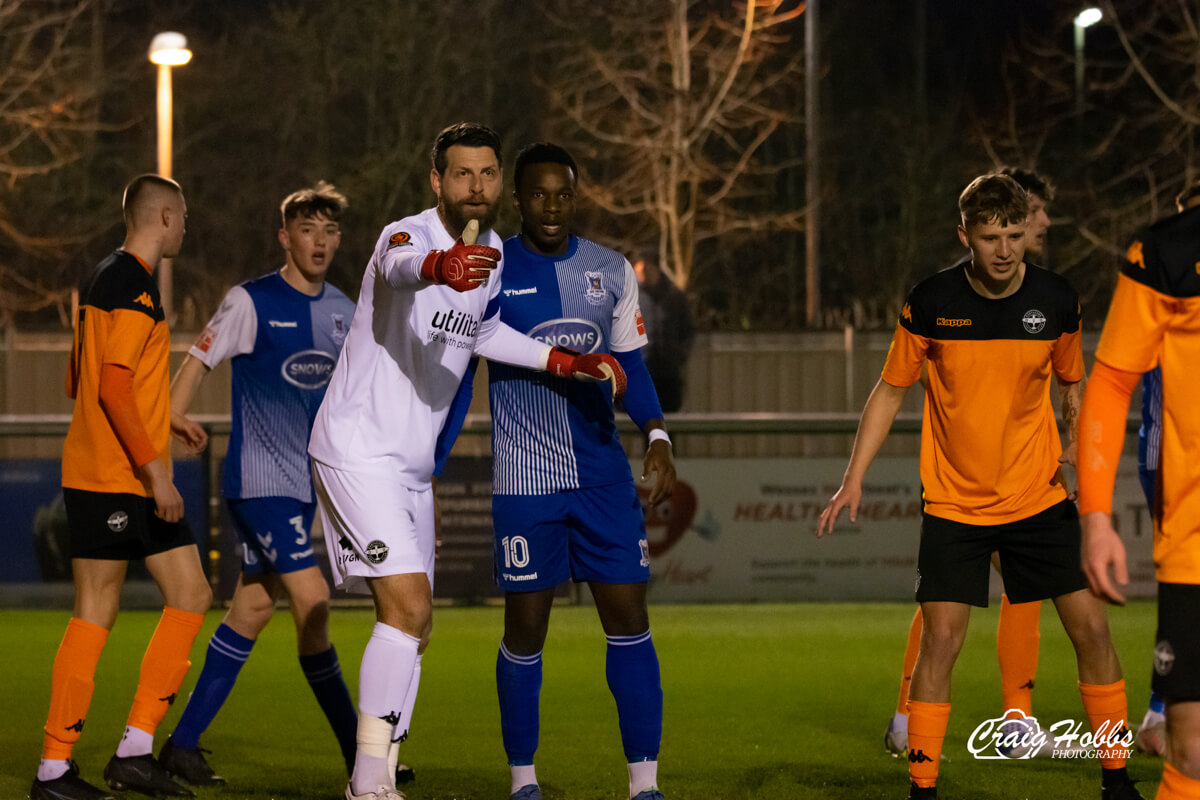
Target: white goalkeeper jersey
(405, 355)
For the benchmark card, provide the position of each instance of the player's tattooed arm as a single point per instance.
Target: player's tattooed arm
(1071, 395)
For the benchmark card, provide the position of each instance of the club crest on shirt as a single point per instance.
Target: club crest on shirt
(595, 288)
(339, 328)
(1034, 321)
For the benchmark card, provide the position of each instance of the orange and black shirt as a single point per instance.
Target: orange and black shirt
(989, 440)
(120, 321)
(1155, 319)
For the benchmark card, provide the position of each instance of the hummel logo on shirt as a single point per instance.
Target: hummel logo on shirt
(144, 299)
(275, 323)
(515, 292)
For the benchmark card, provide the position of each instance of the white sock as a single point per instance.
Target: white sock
(643, 775)
(900, 722)
(135, 742)
(522, 776)
(50, 769)
(383, 683)
(400, 732)
(410, 699)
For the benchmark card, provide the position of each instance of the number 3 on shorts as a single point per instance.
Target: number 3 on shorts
(301, 534)
(516, 551)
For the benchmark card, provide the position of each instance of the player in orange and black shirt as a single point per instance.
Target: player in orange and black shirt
(121, 502)
(1154, 319)
(1018, 638)
(991, 333)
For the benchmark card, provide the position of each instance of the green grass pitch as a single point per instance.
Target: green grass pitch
(763, 702)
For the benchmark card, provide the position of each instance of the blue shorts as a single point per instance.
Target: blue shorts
(587, 534)
(274, 533)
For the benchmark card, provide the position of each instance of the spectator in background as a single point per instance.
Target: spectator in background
(669, 328)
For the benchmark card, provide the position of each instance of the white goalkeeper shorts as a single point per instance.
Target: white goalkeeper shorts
(373, 526)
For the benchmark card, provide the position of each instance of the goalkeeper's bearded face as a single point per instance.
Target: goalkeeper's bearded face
(469, 188)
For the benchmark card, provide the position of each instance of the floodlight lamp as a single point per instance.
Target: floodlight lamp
(170, 49)
(1088, 17)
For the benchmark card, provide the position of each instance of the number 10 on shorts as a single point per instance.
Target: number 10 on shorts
(516, 551)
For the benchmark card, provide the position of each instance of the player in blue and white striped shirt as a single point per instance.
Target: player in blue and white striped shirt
(564, 503)
(283, 333)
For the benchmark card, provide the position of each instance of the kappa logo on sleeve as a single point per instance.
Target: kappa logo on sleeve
(1134, 255)
(145, 300)
(399, 240)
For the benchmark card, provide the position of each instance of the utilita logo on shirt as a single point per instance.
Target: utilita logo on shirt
(455, 323)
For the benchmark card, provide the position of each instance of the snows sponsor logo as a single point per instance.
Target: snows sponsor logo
(581, 335)
(308, 369)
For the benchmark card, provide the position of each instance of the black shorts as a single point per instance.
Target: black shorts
(1039, 557)
(119, 527)
(1177, 643)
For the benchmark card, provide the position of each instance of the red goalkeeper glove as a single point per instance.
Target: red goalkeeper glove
(463, 267)
(589, 367)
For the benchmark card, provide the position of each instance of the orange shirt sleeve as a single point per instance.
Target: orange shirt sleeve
(1067, 357)
(1133, 330)
(906, 355)
(117, 401)
(129, 330)
(1101, 434)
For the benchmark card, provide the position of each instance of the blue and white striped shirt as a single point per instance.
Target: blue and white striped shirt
(552, 434)
(283, 345)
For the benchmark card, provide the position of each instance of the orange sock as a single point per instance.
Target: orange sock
(71, 687)
(926, 730)
(163, 667)
(1017, 640)
(911, 650)
(1177, 786)
(1106, 705)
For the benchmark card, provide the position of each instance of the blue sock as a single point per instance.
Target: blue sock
(227, 651)
(1156, 703)
(325, 677)
(632, 669)
(519, 684)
